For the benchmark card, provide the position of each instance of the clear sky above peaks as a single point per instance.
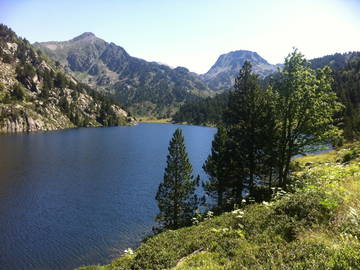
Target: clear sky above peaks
(193, 33)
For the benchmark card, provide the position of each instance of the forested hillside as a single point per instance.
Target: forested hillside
(36, 95)
(347, 87)
(206, 111)
(335, 61)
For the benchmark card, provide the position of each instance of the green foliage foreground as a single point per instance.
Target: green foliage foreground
(315, 226)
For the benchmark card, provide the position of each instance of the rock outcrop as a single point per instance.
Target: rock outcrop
(35, 94)
(223, 73)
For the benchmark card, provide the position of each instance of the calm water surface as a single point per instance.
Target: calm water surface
(82, 196)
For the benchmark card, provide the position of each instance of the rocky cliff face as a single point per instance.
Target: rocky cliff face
(223, 73)
(35, 95)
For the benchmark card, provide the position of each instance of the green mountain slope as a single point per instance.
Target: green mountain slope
(146, 88)
(36, 95)
(206, 111)
(335, 61)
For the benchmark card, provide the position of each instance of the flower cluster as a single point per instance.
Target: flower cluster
(129, 251)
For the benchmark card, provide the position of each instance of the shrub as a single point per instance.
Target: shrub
(60, 80)
(8, 58)
(345, 257)
(351, 155)
(287, 216)
(19, 92)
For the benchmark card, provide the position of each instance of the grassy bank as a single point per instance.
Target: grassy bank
(145, 119)
(315, 226)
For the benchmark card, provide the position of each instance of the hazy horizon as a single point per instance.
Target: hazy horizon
(194, 34)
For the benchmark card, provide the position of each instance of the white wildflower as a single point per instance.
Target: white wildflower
(129, 251)
(239, 213)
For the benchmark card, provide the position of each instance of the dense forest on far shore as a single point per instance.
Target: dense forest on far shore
(206, 111)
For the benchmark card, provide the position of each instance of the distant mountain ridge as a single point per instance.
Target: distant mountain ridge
(152, 88)
(223, 73)
(335, 61)
(144, 87)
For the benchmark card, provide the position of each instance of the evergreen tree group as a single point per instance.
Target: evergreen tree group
(347, 87)
(262, 129)
(206, 111)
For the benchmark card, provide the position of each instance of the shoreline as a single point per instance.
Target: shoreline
(154, 120)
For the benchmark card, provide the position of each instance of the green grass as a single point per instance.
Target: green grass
(145, 119)
(316, 226)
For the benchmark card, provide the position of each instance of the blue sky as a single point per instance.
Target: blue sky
(193, 33)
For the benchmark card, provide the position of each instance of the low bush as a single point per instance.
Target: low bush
(18, 92)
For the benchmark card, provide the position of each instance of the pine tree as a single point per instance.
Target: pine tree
(60, 80)
(217, 166)
(347, 85)
(249, 120)
(19, 91)
(176, 196)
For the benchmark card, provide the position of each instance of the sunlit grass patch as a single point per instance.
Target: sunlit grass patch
(145, 119)
(202, 261)
(330, 156)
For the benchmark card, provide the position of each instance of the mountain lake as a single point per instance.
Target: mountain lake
(82, 196)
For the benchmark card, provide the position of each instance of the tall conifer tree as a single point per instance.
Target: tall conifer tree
(217, 166)
(176, 196)
(243, 152)
(249, 121)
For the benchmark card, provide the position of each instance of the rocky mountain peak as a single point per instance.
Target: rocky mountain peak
(239, 57)
(84, 35)
(222, 74)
